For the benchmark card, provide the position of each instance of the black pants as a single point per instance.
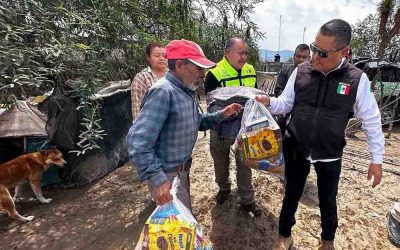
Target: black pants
(281, 120)
(297, 170)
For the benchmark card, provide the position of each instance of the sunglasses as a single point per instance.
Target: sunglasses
(323, 53)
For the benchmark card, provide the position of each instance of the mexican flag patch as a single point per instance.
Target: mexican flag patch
(343, 88)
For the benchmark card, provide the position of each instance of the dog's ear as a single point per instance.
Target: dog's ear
(47, 152)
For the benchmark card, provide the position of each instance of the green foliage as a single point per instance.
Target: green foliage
(45, 43)
(367, 40)
(27, 39)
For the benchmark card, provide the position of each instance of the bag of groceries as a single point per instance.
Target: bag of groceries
(172, 226)
(259, 141)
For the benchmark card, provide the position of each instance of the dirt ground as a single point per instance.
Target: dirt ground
(110, 213)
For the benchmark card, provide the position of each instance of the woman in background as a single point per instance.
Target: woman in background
(155, 57)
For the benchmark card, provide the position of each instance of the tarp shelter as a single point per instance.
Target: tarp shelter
(23, 119)
(116, 119)
(60, 123)
(390, 72)
(20, 125)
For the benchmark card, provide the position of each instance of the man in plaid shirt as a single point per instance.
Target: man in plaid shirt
(161, 139)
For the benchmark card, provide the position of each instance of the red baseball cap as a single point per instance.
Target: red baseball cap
(185, 49)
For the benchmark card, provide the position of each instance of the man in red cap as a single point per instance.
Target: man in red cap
(161, 139)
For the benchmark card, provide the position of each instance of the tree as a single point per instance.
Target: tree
(387, 29)
(365, 40)
(45, 43)
(376, 35)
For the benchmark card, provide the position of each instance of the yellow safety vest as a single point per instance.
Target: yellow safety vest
(229, 77)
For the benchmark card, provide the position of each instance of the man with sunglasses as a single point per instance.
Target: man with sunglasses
(320, 94)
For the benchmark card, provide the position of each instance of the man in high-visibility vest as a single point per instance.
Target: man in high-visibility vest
(231, 71)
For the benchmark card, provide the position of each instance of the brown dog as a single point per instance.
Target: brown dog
(28, 167)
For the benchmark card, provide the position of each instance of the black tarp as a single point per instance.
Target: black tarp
(390, 72)
(116, 119)
(63, 129)
(62, 125)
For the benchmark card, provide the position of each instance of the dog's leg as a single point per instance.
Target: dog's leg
(7, 204)
(17, 193)
(35, 185)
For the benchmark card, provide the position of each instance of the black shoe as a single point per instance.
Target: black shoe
(253, 208)
(222, 196)
(393, 229)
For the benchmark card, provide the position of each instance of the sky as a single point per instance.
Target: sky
(311, 14)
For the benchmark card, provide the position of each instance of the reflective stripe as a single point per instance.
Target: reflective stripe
(223, 81)
(229, 77)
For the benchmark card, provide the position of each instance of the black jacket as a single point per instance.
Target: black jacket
(282, 78)
(320, 112)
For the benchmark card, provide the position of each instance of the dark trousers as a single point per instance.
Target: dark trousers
(281, 120)
(297, 170)
(220, 151)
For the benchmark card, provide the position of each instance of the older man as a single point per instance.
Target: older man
(320, 94)
(161, 139)
(232, 71)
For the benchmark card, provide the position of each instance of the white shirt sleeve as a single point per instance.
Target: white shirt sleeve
(283, 104)
(366, 109)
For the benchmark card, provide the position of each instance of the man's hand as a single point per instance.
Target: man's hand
(376, 171)
(232, 110)
(263, 99)
(161, 194)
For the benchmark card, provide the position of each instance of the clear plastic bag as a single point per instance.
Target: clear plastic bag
(172, 226)
(259, 142)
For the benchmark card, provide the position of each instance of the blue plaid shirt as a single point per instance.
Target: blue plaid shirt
(165, 131)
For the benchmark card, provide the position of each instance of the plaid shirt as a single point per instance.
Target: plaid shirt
(165, 131)
(140, 84)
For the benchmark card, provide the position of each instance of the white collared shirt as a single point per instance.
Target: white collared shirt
(365, 108)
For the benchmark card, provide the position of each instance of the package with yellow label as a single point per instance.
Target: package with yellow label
(171, 234)
(259, 142)
(172, 226)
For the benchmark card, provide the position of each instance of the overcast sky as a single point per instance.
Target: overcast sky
(304, 13)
